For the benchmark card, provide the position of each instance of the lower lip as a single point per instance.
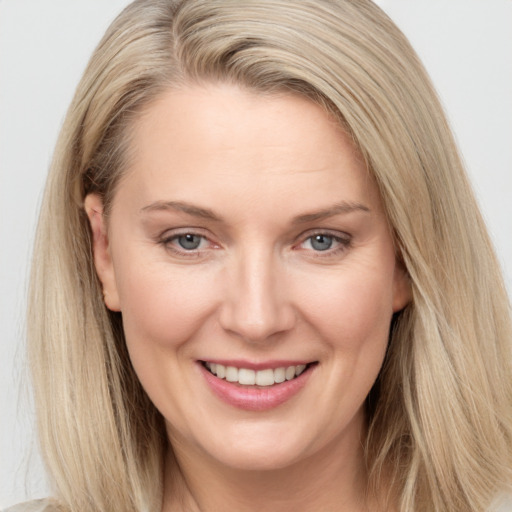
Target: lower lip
(255, 398)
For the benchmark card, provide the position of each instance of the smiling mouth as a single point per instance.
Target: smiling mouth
(249, 377)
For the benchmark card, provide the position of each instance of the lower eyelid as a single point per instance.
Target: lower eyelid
(175, 251)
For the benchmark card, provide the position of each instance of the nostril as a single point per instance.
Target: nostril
(256, 326)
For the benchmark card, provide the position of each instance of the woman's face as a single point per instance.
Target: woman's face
(247, 245)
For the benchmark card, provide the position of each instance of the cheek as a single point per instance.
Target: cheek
(351, 309)
(162, 306)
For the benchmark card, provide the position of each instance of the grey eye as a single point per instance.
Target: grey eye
(321, 242)
(189, 241)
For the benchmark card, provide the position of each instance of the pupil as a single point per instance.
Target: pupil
(189, 241)
(321, 242)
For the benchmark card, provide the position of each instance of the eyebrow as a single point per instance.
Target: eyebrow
(337, 209)
(205, 213)
(188, 208)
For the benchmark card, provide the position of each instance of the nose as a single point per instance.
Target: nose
(256, 306)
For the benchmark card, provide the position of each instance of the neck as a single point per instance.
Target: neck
(332, 479)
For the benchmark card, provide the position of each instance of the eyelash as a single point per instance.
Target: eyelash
(343, 243)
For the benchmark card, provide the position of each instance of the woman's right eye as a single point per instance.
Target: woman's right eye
(185, 243)
(189, 241)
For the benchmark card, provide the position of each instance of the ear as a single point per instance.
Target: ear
(402, 290)
(102, 257)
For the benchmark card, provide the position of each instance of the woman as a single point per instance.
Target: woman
(236, 304)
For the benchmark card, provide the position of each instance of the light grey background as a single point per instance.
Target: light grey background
(44, 45)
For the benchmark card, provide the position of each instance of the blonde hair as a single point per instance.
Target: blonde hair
(440, 417)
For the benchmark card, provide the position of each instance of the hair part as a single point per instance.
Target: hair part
(440, 414)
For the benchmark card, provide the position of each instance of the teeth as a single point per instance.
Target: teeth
(231, 374)
(279, 375)
(299, 369)
(248, 377)
(220, 370)
(265, 377)
(290, 372)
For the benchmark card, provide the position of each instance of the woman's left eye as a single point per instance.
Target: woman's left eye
(325, 242)
(321, 242)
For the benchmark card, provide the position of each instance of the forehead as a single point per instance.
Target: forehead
(225, 115)
(225, 141)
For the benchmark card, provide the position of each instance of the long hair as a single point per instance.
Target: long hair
(440, 414)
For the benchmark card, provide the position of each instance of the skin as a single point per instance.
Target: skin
(274, 171)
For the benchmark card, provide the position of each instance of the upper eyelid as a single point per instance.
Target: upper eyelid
(170, 234)
(342, 235)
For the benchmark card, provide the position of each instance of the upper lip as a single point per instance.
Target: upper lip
(259, 365)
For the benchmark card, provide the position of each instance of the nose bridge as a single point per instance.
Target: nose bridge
(256, 305)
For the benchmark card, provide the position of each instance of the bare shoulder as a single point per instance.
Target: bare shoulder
(44, 505)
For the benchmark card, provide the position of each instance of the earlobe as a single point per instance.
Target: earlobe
(101, 250)
(402, 290)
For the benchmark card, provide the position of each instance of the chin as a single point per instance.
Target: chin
(260, 459)
(271, 445)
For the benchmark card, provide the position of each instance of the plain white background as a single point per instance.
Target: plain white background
(44, 45)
